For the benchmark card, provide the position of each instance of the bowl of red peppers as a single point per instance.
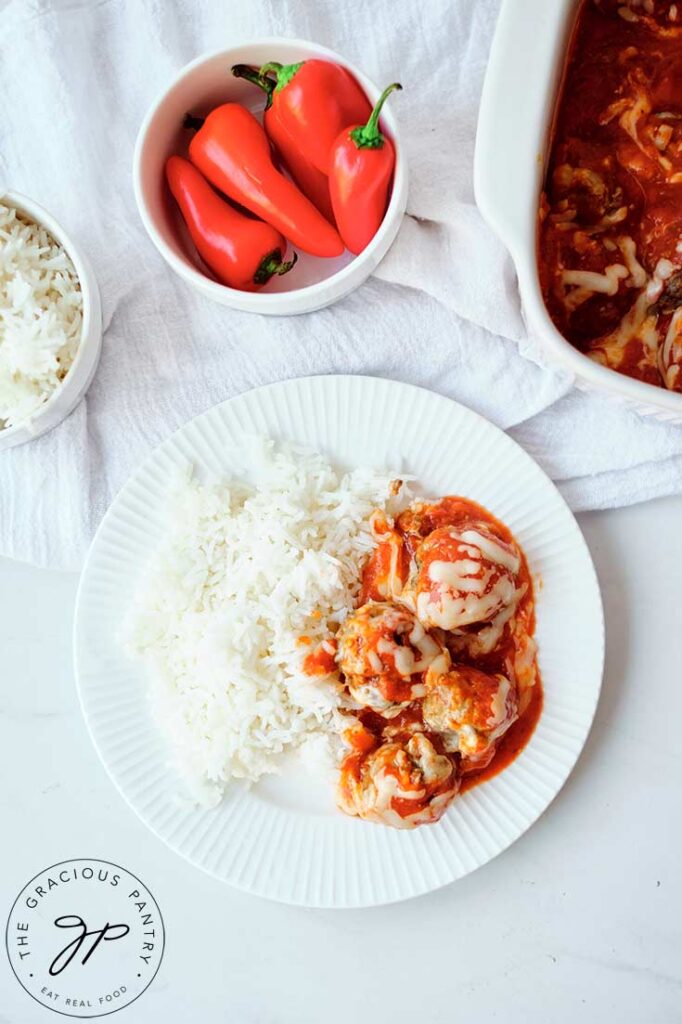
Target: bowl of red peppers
(271, 177)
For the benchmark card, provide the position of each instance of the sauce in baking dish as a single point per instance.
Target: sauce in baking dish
(610, 236)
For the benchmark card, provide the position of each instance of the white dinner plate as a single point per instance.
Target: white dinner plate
(283, 838)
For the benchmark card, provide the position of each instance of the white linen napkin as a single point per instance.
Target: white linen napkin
(442, 310)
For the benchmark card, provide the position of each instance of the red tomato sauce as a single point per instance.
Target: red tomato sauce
(320, 662)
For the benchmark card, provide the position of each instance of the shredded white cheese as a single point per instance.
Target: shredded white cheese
(638, 276)
(584, 283)
(41, 312)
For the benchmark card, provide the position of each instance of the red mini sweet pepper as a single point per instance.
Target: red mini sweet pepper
(313, 183)
(361, 169)
(233, 152)
(315, 100)
(243, 253)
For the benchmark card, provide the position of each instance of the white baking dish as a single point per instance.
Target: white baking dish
(512, 144)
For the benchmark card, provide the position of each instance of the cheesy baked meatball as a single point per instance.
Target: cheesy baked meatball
(461, 576)
(469, 710)
(403, 784)
(383, 652)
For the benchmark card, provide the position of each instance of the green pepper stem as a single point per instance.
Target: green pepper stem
(193, 123)
(253, 75)
(284, 72)
(369, 136)
(272, 264)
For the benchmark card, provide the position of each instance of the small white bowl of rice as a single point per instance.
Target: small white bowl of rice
(50, 321)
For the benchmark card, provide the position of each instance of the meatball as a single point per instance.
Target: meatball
(403, 784)
(383, 652)
(470, 710)
(461, 576)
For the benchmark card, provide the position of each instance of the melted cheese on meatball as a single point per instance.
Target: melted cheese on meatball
(403, 784)
(383, 651)
(461, 577)
(469, 709)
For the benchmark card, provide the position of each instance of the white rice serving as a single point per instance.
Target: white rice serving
(241, 574)
(41, 311)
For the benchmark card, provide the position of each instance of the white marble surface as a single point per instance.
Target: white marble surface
(578, 921)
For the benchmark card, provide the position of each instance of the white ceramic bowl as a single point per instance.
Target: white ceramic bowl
(203, 85)
(77, 381)
(512, 145)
